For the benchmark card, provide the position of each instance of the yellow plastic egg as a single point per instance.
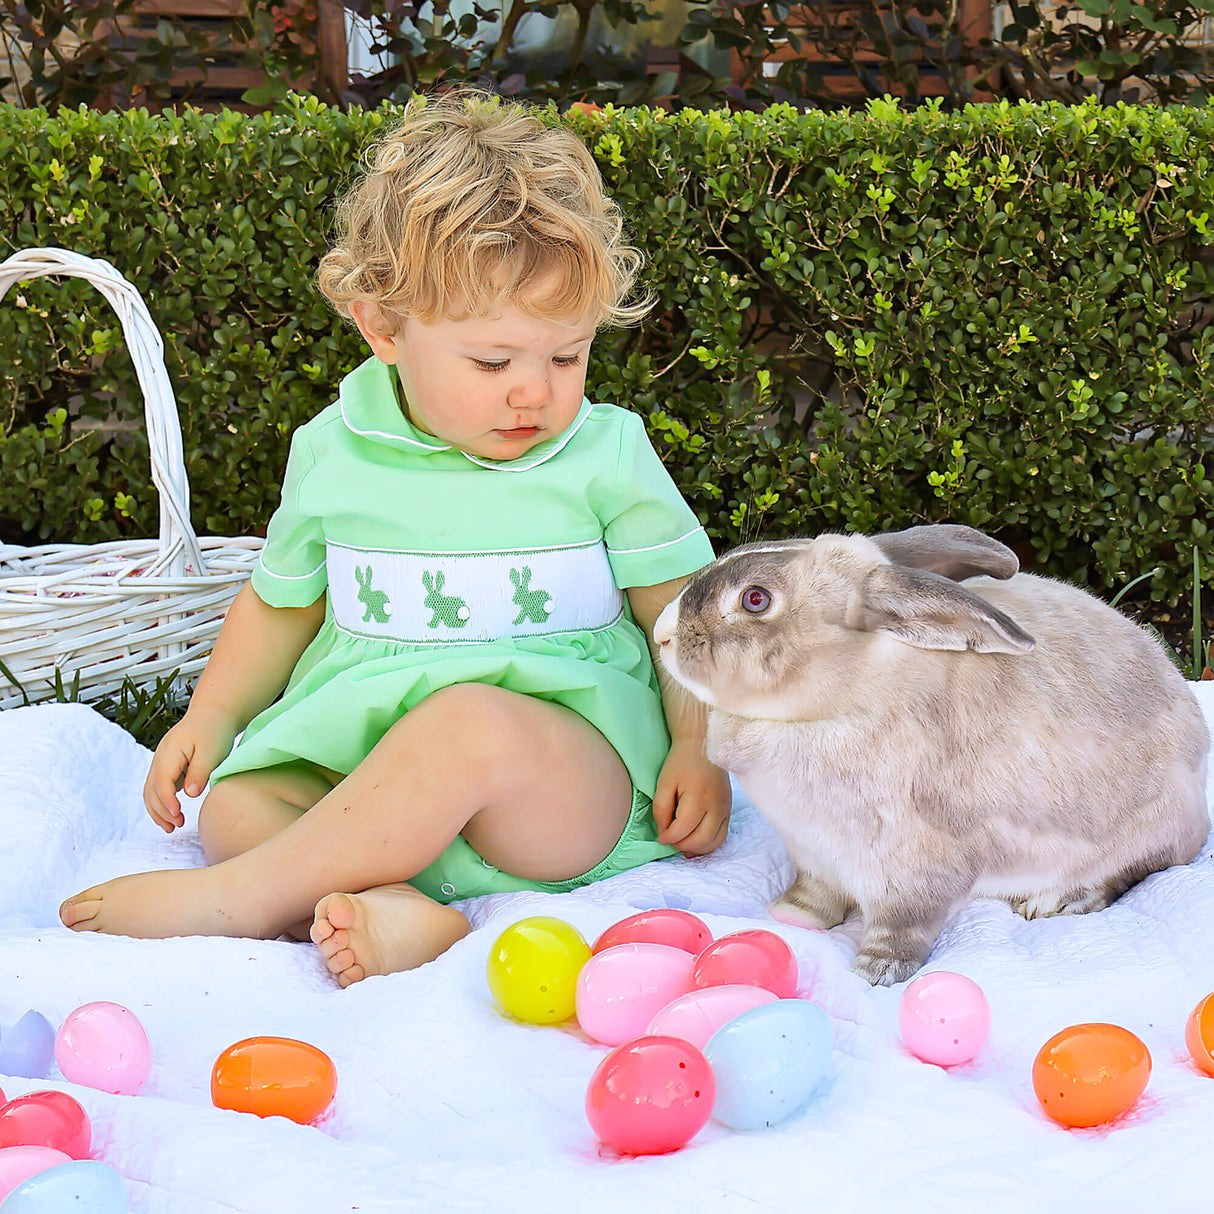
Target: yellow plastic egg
(533, 969)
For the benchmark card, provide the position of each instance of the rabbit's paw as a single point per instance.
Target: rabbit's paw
(808, 902)
(1065, 902)
(881, 969)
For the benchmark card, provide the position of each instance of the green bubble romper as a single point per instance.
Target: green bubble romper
(439, 567)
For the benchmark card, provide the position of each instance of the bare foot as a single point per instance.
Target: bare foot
(380, 931)
(170, 902)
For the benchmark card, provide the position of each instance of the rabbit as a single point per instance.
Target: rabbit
(915, 742)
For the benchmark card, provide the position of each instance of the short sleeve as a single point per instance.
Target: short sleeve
(652, 534)
(291, 570)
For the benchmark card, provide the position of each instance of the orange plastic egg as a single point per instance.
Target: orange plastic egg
(1089, 1074)
(1199, 1034)
(274, 1077)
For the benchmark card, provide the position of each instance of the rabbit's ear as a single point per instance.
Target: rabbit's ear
(950, 550)
(930, 612)
(428, 580)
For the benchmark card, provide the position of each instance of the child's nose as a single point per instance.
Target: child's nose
(529, 391)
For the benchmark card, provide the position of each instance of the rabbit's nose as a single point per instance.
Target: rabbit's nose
(664, 629)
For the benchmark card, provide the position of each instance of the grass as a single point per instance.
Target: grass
(144, 712)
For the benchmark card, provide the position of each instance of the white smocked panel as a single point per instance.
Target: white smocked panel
(439, 597)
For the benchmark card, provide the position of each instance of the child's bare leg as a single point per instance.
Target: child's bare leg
(244, 810)
(535, 789)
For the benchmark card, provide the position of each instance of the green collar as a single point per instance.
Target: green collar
(371, 409)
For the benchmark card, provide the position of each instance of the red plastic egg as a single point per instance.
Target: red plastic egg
(46, 1119)
(663, 925)
(1089, 1074)
(1199, 1034)
(650, 1096)
(750, 958)
(274, 1077)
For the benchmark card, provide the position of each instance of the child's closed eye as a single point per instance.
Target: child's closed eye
(563, 360)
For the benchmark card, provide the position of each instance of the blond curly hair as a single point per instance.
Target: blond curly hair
(467, 203)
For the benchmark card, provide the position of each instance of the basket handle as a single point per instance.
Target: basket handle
(178, 543)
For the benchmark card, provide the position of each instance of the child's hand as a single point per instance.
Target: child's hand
(185, 758)
(692, 802)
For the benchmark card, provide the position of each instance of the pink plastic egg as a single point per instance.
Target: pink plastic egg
(663, 925)
(944, 1018)
(46, 1119)
(103, 1046)
(621, 989)
(697, 1015)
(749, 958)
(650, 1096)
(18, 1164)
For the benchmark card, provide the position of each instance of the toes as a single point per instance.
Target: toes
(332, 945)
(78, 912)
(354, 974)
(338, 909)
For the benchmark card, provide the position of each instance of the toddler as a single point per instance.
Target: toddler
(440, 664)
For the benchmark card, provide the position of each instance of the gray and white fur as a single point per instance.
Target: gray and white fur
(916, 742)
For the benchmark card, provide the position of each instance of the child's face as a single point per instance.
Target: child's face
(491, 386)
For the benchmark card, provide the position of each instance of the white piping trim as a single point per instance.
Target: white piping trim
(513, 638)
(399, 438)
(655, 547)
(289, 577)
(432, 552)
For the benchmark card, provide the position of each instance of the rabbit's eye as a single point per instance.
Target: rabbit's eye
(755, 599)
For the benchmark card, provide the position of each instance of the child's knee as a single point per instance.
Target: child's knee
(218, 822)
(481, 720)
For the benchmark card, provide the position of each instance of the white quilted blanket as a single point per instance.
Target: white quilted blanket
(443, 1104)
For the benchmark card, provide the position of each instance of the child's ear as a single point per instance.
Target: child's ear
(372, 324)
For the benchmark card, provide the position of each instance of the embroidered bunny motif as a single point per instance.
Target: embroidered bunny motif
(374, 601)
(534, 605)
(448, 609)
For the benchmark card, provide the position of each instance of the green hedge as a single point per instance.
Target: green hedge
(998, 317)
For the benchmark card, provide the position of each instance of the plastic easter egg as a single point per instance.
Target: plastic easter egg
(621, 989)
(1089, 1074)
(27, 1048)
(944, 1018)
(79, 1184)
(274, 1077)
(650, 1096)
(103, 1046)
(750, 958)
(533, 969)
(698, 1014)
(46, 1119)
(663, 925)
(768, 1062)
(18, 1164)
(1199, 1035)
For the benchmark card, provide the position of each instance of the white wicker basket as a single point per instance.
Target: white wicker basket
(131, 608)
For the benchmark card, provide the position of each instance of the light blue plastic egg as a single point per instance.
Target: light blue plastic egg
(768, 1062)
(27, 1048)
(83, 1186)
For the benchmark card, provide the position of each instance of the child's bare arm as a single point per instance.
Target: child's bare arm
(255, 652)
(693, 798)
